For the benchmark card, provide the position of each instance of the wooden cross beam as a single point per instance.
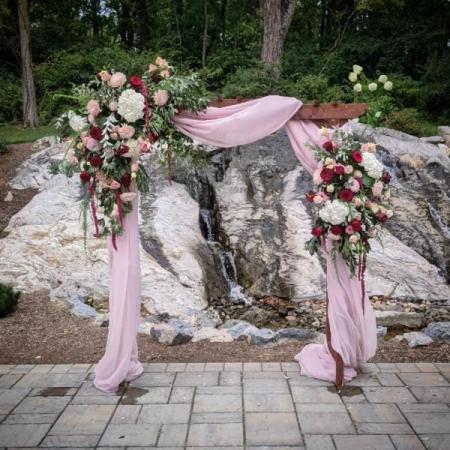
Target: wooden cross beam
(331, 114)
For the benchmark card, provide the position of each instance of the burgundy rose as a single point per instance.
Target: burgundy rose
(328, 146)
(84, 176)
(317, 231)
(126, 179)
(135, 81)
(96, 133)
(386, 178)
(327, 175)
(356, 225)
(357, 157)
(339, 170)
(337, 229)
(382, 217)
(96, 161)
(310, 196)
(122, 150)
(346, 195)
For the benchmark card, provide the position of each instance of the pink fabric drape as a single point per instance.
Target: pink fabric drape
(353, 334)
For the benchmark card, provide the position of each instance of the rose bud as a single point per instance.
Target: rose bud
(84, 176)
(386, 178)
(328, 146)
(96, 161)
(317, 231)
(337, 229)
(357, 157)
(96, 133)
(310, 196)
(339, 169)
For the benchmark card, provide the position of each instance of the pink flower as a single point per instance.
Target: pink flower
(165, 74)
(369, 147)
(353, 239)
(71, 158)
(356, 201)
(91, 119)
(334, 237)
(161, 62)
(348, 169)
(113, 106)
(100, 175)
(160, 97)
(152, 68)
(93, 108)
(320, 198)
(117, 80)
(114, 136)
(135, 167)
(349, 229)
(127, 196)
(317, 179)
(126, 131)
(115, 211)
(115, 184)
(104, 75)
(353, 185)
(377, 188)
(92, 144)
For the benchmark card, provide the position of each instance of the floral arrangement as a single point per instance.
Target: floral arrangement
(120, 119)
(352, 197)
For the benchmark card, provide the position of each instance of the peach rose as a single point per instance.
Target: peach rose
(160, 97)
(377, 188)
(126, 131)
(135, 167)
(353, 239)
(93, 108)
(113, 106)
(115, 184)
(117, 80)
(161, 62)
(165, 73)
(104, 75)
(152, 68)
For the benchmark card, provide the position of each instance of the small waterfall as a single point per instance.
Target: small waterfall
(236, 292)
(207, 225)
(438, 220)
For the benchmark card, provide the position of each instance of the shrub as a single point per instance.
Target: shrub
(407, 120)
(10, 98)
(8, 300)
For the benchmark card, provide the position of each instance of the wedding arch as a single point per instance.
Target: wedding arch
(351, 329)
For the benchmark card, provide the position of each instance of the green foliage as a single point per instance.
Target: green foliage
(8, 300)
(10, 98)
(407, 120)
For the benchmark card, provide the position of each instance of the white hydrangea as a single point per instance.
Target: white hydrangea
(352, 76)
(357, 87)
(76, 122)
(334, 212)
(357, 69)
(382, 79)
(373, 167)
(131, 105)
(388, 86)
(372, 87)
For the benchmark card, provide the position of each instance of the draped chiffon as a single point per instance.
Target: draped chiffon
(353, 332)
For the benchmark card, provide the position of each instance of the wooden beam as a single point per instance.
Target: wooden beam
(323, 113)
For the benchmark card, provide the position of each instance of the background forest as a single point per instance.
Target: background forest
(240, 50)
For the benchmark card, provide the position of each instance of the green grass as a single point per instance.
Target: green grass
(16, 134)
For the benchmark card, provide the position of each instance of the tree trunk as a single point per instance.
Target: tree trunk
(205, 33)
(95, 19)
(30, 118)
(223, 18)
(277, 16)
(143, 23)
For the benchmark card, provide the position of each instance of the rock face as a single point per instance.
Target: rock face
(439, 331)
(397, 319)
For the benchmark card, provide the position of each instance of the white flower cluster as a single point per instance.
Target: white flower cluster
(373, 167)
(131, 105)
(334, 212)
(76, 122)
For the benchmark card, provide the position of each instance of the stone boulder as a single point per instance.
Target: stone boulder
(439, 331)
(399, 319)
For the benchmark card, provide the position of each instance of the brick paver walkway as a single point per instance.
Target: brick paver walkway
(226, 406)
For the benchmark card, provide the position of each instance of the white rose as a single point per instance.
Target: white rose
(372, 87)
(352, 76)
(372, 166)
(131, 105)
(388, 86)
(382, 79)
(76, 122)
(334, 212)
(357, 87)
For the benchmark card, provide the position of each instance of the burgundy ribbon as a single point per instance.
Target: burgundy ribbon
(93, 208)
(113, 240)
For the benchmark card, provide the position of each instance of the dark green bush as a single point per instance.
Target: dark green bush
(8, 300)
(10, 98)
(407, 120)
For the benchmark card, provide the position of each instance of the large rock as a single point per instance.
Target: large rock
(399, 319)
(439, 331)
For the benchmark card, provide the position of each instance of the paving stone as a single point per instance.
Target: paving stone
(176, 367)
(42, 405)
(217, 403)
(197, 379)
(52, 392)
(384, 428)
(265, 386)
(375, 413)
(130, 434)
(211, 434)
(325, 423)
(159, 414)
(269, 375)
(154, 367)
(306, 381)
(443, 366)
(233, 366)
(95, 400)
(388, 367)
(320, 407)
(304, 394)
(436, 441)
(219, 390)
(427, 367)
(230, 379)
(216, 417)
(352, 394)
(318, 442)
(126, 414)
(290, 367)
(173, 435)
(60, 368)
(31, 418)
(271, 366)
(140, 396)
(252, 367)
(213, 367)
(423, 407)
(389, 379)
(424, 379)
(424, 423)
(154, 379)
(71, 441)
(88, 389)
(83, 420)
(22, 368)
(216, 448)
(268, 403)
(407, 442)
(431, 394)
(364, 380)
(41, 380)
(182, 395)
(272, 429)
(9, 398)
(195, 367)
(407, 367)
(22, 435)
(388, 395)
(6, 368)
(369, 368)
(41, 368)
(364, 442)
(9, 380)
